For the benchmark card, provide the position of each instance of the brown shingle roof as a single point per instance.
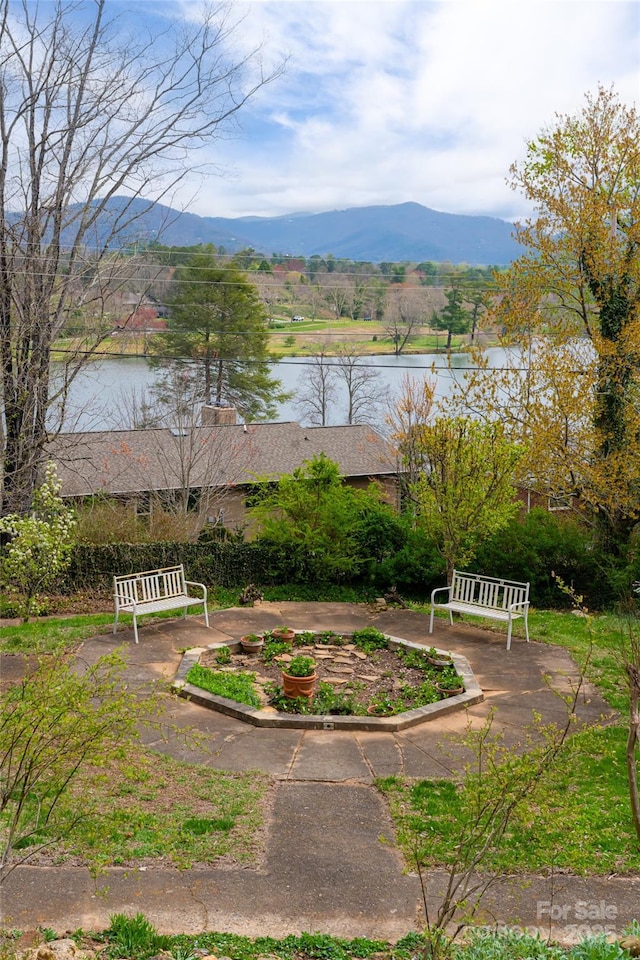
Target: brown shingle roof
(130, 461)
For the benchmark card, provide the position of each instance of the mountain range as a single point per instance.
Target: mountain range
(400, 232)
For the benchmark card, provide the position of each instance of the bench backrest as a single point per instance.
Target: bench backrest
(150, 585)
(490, 592)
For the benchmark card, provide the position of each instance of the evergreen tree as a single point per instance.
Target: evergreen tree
(217, 329)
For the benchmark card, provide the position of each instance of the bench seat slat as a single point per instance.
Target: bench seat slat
(475, 610)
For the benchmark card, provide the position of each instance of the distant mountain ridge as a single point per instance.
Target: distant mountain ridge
(405, 231)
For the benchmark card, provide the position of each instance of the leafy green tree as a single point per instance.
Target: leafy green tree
(314, 513)
(571, 306)
(57, 726)
(39, 544)
(465, 491)
(217, 331)
(453, 318)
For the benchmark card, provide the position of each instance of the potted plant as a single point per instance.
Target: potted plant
(283, 633)
(381, 706)
(439, 659)
(300, 677)
(252, 642)
(450, 684)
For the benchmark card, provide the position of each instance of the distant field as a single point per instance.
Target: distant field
(308, 338)
(312, 337)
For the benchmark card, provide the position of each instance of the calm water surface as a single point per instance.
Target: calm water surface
(102, 394)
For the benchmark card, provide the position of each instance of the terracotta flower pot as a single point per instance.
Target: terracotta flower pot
(439, 661)
(288, 635)
(298, 686)
(251, 645)
(449, 691)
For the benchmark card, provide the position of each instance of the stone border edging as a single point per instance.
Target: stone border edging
(289, 721)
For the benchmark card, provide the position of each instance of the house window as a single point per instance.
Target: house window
(560, 502)
(143, 505)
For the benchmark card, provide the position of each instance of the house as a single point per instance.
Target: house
(212, 467)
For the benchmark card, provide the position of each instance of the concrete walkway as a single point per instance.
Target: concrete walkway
(330, 862)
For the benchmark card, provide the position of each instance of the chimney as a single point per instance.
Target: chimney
(218, 415)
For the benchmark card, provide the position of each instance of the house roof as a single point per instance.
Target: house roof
(130, 461)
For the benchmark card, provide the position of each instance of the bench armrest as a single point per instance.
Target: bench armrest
(193, 583)
(440, 590)
(521, 603)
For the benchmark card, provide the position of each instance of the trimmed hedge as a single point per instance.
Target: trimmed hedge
(219, 563)
(528, 549)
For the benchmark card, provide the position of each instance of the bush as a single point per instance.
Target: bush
(535, 547)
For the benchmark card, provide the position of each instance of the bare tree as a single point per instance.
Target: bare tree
(365, 389)
(338, 293)
(93, 124)
(317, 389)
(195, 465)
(404, 314)
(414, 409)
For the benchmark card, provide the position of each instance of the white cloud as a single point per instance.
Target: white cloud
(389, 101)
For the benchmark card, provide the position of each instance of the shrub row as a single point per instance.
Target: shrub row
(531, 549)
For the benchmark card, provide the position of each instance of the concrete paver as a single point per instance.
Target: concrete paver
(330, 863)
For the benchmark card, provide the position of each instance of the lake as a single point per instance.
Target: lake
(102, 392)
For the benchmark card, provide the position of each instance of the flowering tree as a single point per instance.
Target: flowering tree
(39, 546)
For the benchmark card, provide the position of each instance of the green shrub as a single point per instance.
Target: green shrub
(532, 548)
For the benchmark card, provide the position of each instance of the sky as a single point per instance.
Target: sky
(387, 101)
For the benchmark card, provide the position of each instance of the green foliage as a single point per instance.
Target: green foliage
(274, 648)
(223, 655)
(324, 524)
(39, 547)
(465, 491)
(53, 725)
(510, 945)
(453, 318)
(233, 686)
(369, 639)
(533, 547)
(217, 327)
(133, 937)
(300, 666)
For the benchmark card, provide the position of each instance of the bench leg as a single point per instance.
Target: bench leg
(115, 622)
(509, 634)
(206, 615)
(526, 625)
(135, 627)
(431, 620)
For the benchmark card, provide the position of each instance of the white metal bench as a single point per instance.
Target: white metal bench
(471, 593)
(154, 591)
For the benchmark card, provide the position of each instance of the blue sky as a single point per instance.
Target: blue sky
(385, 101)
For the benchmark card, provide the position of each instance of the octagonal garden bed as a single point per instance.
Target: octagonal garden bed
(369, 681)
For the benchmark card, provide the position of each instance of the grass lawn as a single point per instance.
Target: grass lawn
(580, 822)
(53, 634)
(151, 807)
